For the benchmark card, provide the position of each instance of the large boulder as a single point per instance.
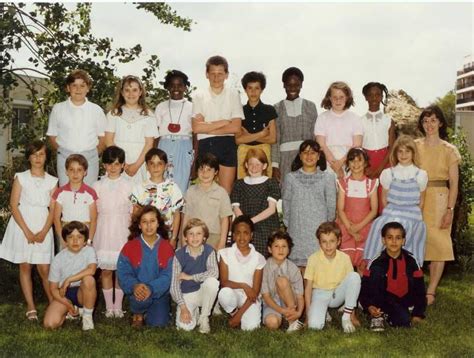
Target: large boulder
(404, 112)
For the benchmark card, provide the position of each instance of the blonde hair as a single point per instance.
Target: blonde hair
(258, 154)
(407, 142)
(119, 100)
(344, 87)
(195, 222)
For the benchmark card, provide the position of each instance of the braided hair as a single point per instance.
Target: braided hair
(380, 86)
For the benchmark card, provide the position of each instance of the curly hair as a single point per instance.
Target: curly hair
(134, 227)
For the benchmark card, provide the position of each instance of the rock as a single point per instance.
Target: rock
(404, 112)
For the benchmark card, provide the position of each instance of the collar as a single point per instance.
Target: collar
(82, 188)
(75, 105)
(294, 102)
(374, 116)
(147, 244)
(252, 180)
(188, 250)
(404, 168)
(239, 254)
(148, 183)
(399, 257)
(339, 115)
(258, 106)
(214, 186)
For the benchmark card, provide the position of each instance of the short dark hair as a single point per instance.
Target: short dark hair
(280, 234)
(175, 74)
(243, 219)
(79, 74)
(253, 76)
(36, 146)
(393, 225)
(113, 153)
(207, 160)
(321, 163)
(328, 227)
(78, 158)
(428, 112)
(156, 152)
(292, 71)
(217, 61)
(75, 225)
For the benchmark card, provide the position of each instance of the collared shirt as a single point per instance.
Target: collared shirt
(376, 126)
(339, 129)
(287, 269)
(76, 128)
(326, 273)
(401, 172)
(257, 118)
(75, 203)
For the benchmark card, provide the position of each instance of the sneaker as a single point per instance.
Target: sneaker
(118, 313)
(109, 314)
(347, 326)
(204, 325)
(328, 317)
(217, 310)
(295, 326)
(87, 322)
(377, 324)
(71, 317)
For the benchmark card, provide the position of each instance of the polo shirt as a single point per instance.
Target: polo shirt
(75, 203)
(326, 273)
(257, 118)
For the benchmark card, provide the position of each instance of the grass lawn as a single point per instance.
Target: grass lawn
(447, 332)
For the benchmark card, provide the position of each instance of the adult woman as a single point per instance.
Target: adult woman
(441, 160)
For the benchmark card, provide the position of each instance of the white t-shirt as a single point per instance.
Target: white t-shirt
(67, 263)
(214, 107)
(403, 173)
(76, 128)
(181, 113)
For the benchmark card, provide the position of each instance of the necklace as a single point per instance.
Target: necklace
(174, 127)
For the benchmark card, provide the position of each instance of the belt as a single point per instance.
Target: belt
(176, 137)
(438, 183)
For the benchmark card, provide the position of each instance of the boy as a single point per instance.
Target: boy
(331, 281)
(258, 129)
(195, 282)
(71, 279)
(75, 201)
(163, 194)
(209, 202)
(392, 283)
(77, 126)
(282, 285)
(217, 117)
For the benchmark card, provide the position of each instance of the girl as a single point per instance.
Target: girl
(337, 130)
(159, 192)
(296, 119)
(28, 239)
(309, 198)
(257, 195)
(441, 161)
(131, 127)
(241, 270)
(402, 199)
(173, 118)
(114, 210)
(144, 269)
(356, 205)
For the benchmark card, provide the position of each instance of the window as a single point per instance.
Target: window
(21, 119)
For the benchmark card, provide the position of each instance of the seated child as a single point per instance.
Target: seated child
(144, 269)
(331, 281)
(241, 269)
(75, 201)
(393, 282)
(71, 279)
(282, 285)
(195, 282)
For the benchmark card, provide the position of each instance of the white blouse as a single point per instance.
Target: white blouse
(376, 126)
(404, 173)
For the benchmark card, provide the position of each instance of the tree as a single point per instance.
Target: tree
(447, 103)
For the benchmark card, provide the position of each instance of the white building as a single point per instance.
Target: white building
(465, 99)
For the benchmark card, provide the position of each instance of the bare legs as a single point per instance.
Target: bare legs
(436, 271)
(227, 177)
(26, 283)
(287, 297)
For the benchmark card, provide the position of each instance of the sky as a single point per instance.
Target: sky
(417, 47)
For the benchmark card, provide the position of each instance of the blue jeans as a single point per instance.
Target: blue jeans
(156, 310)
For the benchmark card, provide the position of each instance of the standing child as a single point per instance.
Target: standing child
(402, 198)
(217, 117)
(130, 126)
(258, 130)
(338, 129)
(75, 201)
(28, 238)
(296, 119)
(71, 279)
(162, 193)
(356, 206)
(241, 269)
(330, 281)
(173, 118)
(144, 269)
(195, 278)
(282, 285)
(76, 126)
(309, 199)
(393, 283)
(256, 196)
(114, 210)
(209, 202)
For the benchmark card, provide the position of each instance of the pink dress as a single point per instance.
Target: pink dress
(114, 212)
(357, 207)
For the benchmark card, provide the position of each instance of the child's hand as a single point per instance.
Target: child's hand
(234, 322)
(131, 169)
(375, 312)
(185, 277)
(40, 236)
(30, 237)
(141, 292)
(416, 319)
(292, 314)
(185, 315)
(199, 118)
(63, 288)
(250, 292)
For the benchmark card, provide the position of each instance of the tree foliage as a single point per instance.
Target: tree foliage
(447, 103)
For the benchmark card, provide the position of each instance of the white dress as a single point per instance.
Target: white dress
(130, 130)
(34, 202)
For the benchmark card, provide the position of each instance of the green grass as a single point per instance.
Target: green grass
(447, 332)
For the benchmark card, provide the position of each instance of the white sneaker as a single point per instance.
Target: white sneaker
(204, 326)
(87, 322)
(217, 310)
(328, 317)
(109, 314)
(347, 326)
(295, 326)
(118, 313)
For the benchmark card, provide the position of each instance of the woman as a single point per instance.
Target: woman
(441, 160)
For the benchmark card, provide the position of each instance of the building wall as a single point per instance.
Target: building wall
(465, 120)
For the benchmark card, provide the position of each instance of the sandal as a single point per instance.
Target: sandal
(32, 315)
(430, 298)
(137, 321)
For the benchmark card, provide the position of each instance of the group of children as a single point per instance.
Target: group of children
(142, 221)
